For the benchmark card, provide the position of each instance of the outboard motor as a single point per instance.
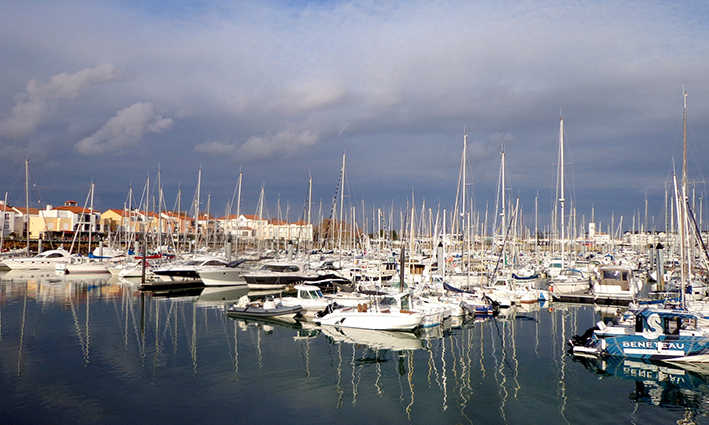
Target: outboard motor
(582, 340)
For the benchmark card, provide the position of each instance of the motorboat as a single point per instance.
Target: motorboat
(269, 308)
(388, 315)
(133, 269)
(570, 281)
(82, 265)
(469, 302)
(310, 298)
(512, 289)
(676, 335)
(187, 271)
(280, 274)
(620, 282)
(43, 260)
(230, 274)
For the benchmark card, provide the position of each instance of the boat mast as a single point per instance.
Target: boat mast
(160, 229)
(310, 206)
(561, 186)
(196, 209)
(238, 210)
(27, 204)
(92, 221)
(682, 208)
(2, 229)
(260, 220)
(342, 201)
(465, 157)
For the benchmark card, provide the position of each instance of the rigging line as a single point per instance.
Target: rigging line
(698, 232)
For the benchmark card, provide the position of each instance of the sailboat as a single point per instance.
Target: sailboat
(84, 265)
(672, 333)
(43, 260)
(568, 280)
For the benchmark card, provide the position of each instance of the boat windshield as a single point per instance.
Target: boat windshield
(311, 294)
(281, 268)
(615, 274)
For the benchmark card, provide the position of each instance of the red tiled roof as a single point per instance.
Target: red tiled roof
(77, 210)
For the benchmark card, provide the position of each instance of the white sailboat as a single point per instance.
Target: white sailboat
(568, 281)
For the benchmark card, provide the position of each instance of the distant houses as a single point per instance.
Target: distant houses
(63, 221)
(13, 220)
(257, 228)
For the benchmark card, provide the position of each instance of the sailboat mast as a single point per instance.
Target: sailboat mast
(561, 187)
(160, 229)
(196, 207)
(238, 210)
(465, 156)
(684, 145)
(2, 228)
(27, 203)
(682, 207)
(342, 202)
(92, 222)
(310, 207)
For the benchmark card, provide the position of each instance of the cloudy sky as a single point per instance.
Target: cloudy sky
(113, 91)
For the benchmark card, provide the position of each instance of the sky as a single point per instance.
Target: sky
(116, 92)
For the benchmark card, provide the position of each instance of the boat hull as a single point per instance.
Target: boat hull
(222, 278)
(258, 312)
(352, 318)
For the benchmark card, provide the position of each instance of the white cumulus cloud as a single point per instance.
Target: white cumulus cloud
(125, 129)
(262, 147)
(36, 102)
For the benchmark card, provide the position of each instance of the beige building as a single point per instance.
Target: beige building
(65, 220)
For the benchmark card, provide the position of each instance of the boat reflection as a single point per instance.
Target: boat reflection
(658, 383)
(219, 296)
(377, 340)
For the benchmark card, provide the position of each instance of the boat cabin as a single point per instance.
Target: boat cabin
(402, 301)
(653, 323)
(616, 276)
(282, 267)
(309, 292)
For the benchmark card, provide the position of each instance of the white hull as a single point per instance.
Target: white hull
(351, 318)
(45, 260)
(30, 264)
(570, 286)
(88, 268)
(220, 277)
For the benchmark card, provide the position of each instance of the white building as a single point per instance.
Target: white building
(255, 227)
(13, 219)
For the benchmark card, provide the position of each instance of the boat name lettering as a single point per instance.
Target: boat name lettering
(660, 345)
(654, 375)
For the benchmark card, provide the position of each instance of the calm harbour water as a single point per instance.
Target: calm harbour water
(91, 350)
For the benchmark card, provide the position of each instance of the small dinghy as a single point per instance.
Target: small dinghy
(268, 308)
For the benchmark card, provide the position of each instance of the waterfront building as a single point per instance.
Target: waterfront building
(13, 219)
(257, 228)
(63, 220)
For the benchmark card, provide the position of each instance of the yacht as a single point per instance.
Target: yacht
(310, 297)
(280, 274)
(385, 316)
(43, 260)
(230, 274)
(187, 271)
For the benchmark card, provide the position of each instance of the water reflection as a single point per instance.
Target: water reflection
(683, 386)
(169, 349)
(377, 340)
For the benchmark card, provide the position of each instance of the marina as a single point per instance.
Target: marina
(97, 349)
